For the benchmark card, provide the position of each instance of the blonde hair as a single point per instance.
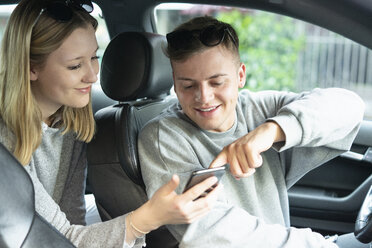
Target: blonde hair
(28, 40)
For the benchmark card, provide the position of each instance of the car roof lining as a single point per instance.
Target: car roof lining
(350, 18)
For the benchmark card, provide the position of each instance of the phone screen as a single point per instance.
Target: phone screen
(200, 175)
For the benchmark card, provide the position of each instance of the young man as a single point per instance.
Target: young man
(270, 139)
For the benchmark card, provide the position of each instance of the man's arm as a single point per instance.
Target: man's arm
(322, 117)
(235, 228)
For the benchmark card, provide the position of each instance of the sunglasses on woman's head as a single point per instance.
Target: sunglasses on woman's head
(63, 10)
(210, 36)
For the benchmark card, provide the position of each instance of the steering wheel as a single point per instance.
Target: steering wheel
(363, 223)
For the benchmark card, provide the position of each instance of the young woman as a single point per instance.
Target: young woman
(48, 65)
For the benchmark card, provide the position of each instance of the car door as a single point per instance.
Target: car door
(328, 198)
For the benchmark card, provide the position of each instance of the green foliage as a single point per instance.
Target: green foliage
(269, 47)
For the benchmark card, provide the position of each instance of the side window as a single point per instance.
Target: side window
(283, 53)
(103, 37)
(5, 11)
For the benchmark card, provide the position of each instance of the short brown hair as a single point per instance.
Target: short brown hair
(188, 38)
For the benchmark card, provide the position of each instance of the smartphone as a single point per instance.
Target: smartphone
(200, 175)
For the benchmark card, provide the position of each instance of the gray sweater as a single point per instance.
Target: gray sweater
(252, 212)
(58, 172)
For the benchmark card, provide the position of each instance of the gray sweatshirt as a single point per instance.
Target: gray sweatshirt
(254, 211)
(58, 172)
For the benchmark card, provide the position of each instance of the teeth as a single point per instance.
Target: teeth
(208, 109)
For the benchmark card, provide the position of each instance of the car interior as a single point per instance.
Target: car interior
(136, 81)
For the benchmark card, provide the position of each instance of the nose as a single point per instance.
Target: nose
(91, 73)
(204, 94)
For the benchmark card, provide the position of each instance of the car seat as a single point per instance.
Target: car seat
(20, 224)
(136, 73)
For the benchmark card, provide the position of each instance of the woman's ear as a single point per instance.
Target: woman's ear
(33, 74)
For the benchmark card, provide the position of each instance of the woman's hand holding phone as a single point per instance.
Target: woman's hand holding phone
(167, 207)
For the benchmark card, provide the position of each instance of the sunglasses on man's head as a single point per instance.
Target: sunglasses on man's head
(63, 10)
(210, 36)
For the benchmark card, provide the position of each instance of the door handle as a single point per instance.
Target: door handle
(366, 157)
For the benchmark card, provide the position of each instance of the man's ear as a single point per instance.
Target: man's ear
(33, 74)
(174, 82)
(241, 75)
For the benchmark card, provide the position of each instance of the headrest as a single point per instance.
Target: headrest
(134, 66)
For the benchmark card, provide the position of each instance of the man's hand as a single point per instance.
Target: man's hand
(244, 154)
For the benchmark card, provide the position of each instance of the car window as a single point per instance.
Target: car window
(102, 34)
(283, 53)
